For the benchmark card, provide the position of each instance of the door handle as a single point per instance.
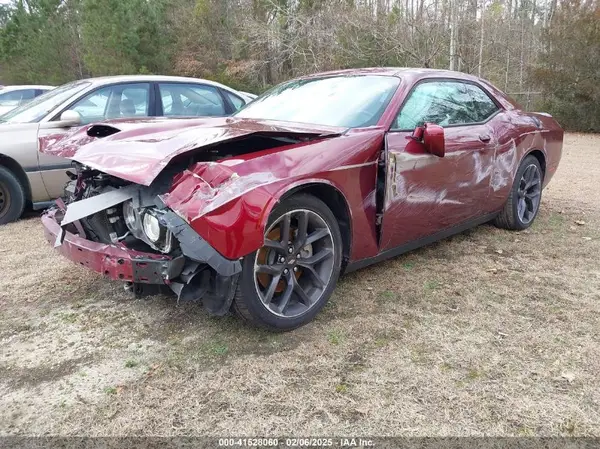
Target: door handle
(485, 138)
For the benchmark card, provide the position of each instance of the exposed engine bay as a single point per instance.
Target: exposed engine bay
(109, 225)
(135, 226)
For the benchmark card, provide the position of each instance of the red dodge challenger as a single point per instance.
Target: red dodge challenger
(260, 213)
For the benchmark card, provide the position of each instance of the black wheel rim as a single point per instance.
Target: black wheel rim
(529, 193)
(4, 200)
(294, 267)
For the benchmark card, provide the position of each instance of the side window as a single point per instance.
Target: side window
(444, 103)
(118, 101)
(28, 95)
(482, 104)
(191, 100)
(235, 100)
(11, 98)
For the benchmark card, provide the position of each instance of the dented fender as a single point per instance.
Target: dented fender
(234, 217)
(228, 203)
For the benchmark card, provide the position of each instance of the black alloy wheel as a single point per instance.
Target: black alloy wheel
(523, 202)
(529, 194)
(295, 264)
(286, 282)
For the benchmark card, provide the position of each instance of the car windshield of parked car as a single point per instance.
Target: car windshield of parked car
(14, 97)
(346, 101)
(39, 107)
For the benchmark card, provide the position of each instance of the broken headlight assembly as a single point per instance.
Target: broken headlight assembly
(145, 225)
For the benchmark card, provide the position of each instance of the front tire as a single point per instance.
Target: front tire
(287, 282)
(523, 203)
(12, 197)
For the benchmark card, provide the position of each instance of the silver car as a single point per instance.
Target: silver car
(30, 177)
(14, 96)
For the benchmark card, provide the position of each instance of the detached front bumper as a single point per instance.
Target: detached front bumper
(118, 263)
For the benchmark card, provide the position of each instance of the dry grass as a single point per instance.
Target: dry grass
(489, 332)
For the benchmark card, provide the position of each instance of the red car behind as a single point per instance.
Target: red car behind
(261, 212)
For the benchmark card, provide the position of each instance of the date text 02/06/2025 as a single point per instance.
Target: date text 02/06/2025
(295, 442)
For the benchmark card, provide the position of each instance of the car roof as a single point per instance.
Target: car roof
(25, 86)
(415, 74)
(103, 80)
(395, 71)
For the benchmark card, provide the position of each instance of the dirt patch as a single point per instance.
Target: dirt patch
(489, 332)
(18, 377)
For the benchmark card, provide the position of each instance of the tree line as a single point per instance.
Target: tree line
(545, 53)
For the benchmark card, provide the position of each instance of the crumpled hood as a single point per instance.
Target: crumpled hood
(138, 150)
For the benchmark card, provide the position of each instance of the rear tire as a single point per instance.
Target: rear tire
(523, 203)
(12, 197)
(287, 282)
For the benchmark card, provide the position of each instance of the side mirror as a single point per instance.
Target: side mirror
(70, 118)
(432, 138)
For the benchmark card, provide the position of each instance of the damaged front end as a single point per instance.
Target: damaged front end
(173, 205)
(126, 232)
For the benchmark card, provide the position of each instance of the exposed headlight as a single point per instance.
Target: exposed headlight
(152, 227)
(156, 235)
(144, 224)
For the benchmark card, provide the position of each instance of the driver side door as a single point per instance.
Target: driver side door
(426, 194)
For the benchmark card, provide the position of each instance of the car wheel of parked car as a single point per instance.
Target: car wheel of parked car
(523, 202)
(288, 281)
(12, 196)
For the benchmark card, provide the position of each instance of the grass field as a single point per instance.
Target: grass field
(489, 332)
